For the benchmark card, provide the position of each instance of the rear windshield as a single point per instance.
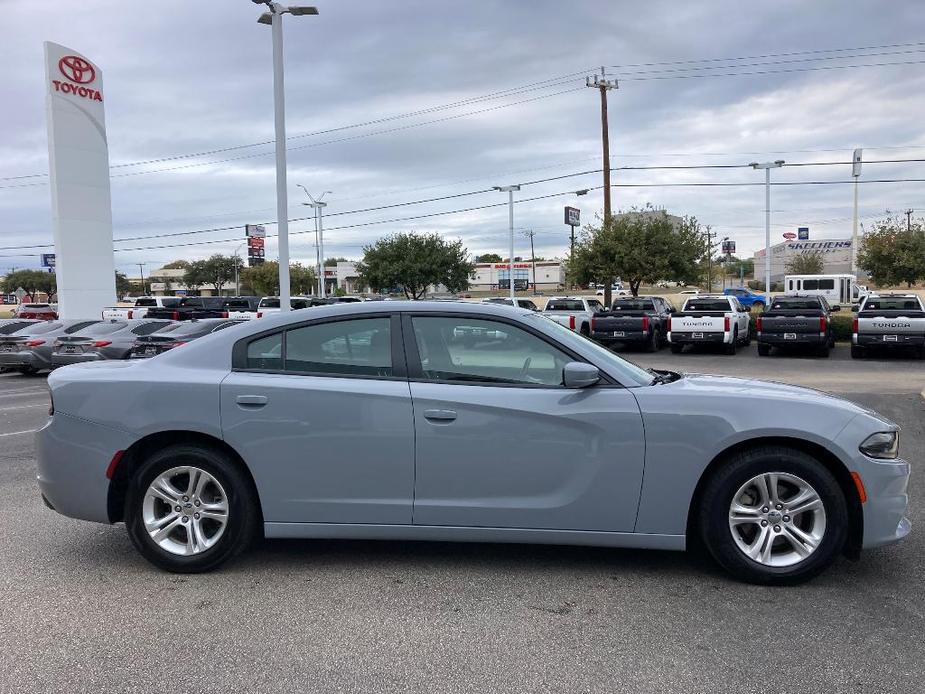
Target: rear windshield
(706, 305)
(564, 305)
(239, 304)
(102, 329)
(796, 304)
(892, 303)
(27, 306)
(12, 327)
(191, 301)
(193, 327)
(146, 302)
(633, 305)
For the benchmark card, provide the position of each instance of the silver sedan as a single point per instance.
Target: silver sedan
(462, 422)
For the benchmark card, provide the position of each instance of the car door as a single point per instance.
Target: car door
(321, 413)
(499, 442)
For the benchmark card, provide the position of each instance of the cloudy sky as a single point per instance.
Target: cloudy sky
(402, 102)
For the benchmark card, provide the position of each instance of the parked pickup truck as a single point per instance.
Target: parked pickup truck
(140, 309)
(574, 312)
(710, 320)
(794, 322)
(198, 307)
(888, 321)
(747, 297)
(640, 321)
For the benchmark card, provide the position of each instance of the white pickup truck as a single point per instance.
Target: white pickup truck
(888, 321)
(140, 309)
(710, 320)
(574, 312)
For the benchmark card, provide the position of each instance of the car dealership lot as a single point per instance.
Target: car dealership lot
(81, 611)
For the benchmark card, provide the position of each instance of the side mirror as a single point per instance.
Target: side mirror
(835, 308)
(855, 309)
(577, 374)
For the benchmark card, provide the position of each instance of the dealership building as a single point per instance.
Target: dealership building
(835, 253)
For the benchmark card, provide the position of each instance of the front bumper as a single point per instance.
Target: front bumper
(686, 338)
(804, 339)
(885, 519)
(878, 341)
(72, 456)
(61, 359)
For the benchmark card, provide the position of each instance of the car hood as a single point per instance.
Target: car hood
(770, 390)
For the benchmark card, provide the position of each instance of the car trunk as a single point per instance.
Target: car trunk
(73, 344)
(151, 345)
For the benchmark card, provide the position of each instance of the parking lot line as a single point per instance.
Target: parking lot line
(17, 433)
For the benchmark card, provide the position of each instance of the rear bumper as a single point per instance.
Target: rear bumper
(610, 337)
(26, 358)
(878, 341)
(65, 359)
(687, 338)
(72, 456)
(778, 339)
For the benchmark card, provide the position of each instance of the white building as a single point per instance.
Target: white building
(550, 275)
(835, 253)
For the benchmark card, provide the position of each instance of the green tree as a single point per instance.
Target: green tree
(641, 246)
(30, 281)
(332, 262)
(263, 279)
(413, 262)
(216, 271)
(894, 253)
(807, 263)
(176, 265)
(488, 258)
(123, 285)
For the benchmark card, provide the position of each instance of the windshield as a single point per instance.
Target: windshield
(565, 305)
(707, 305)
(633, 305)
(628, 370)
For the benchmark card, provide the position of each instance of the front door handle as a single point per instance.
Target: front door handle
(251, 401)
(439, 415)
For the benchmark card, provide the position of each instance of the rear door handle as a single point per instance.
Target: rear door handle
(251, 401)
(440, 415)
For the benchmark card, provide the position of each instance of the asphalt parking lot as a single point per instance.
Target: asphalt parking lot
(80, 611)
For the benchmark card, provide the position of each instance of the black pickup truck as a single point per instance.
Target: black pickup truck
(197, 307)
(641, 320)
(796, 322)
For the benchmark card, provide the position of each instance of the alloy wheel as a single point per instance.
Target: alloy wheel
(185, 510)
(777, 519)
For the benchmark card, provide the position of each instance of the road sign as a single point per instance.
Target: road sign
(789, 235)
(729, 247)
(572, 217)
(803, 233)
(255, 230)
(48, 260)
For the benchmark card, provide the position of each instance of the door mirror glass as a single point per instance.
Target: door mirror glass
(855, 309)
(577, 374)
(834, 308)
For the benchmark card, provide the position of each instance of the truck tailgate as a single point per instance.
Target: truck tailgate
(708, 322)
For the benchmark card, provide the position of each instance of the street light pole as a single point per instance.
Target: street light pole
(275, 19)
(767, 166)
(510, 205)
(237, 287)
(318, 206)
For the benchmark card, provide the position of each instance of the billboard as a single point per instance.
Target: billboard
(803, 233)
(48, 260)
(573, 216)
(256, 250)
(258, 231)
(78, 158)
(729, 247)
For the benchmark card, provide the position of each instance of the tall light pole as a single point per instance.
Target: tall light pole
(856, 173)
(510, 207)
(767, 166)
(318, 206)
(141, 269)
(275, 19)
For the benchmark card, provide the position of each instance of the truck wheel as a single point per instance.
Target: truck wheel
(764, 350)
(773, 515)
(731, 348)
(857, 352)
(823, 351)
(654, 341)
(676, 349)
(585, 330)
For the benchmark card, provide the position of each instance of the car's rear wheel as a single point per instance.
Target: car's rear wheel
(189, 509)
(773, 515)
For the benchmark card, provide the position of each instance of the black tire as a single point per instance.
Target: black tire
(731, 348)
(713, 514)
(763, 350)
(28, 371)
(676, 349)
(243, 516)
(823, 351)
(585, 330)
(857, 352)
(654, 342)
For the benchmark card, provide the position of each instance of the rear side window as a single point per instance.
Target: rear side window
(360, 347)
(266, 353)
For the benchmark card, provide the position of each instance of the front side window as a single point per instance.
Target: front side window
(485, 351)
(361, 347)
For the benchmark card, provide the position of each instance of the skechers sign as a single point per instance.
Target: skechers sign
(77, 72)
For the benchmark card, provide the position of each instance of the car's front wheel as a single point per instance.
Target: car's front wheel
(773, 515)
(189, 509)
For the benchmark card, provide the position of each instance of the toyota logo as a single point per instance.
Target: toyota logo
(76, 69)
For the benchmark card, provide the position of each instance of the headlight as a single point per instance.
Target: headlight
(884, 444)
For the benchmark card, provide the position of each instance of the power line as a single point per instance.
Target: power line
(771, 72)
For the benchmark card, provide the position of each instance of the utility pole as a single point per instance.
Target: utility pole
(909, 220)
(709, 233)
(604, 85)
(141, 269)
(530, 234)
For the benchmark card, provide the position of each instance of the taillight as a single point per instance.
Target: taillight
(758, 323)
(593, 327)
(35, 343)
(102, 343)
(645, 324)
(224, 314)
(174, 315)
(260, 314)
(823, 326)
(726, 324)
(854, 325)
(130, 313)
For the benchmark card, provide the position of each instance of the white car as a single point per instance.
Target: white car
(140, 309)
(270, 304)
(574, 312)
(690, 292)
